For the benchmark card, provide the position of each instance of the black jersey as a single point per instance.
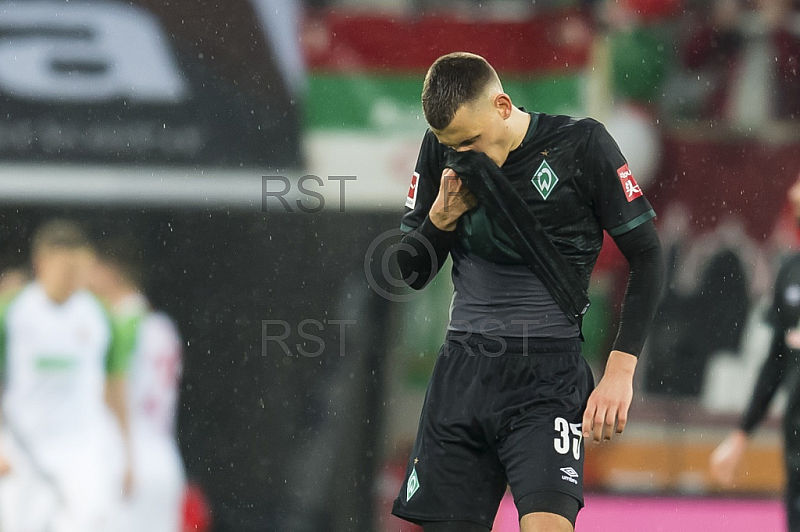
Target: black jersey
(570, 173)
(782, 364)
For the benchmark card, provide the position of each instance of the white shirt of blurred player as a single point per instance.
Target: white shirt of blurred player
(154, 371)
(58, 430)
(55, 366)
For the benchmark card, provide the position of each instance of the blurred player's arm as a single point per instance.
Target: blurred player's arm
(116, 396)
(607, 408)
(432, 240)
(430, 247)
(5, 300)
(726, 457)
(769, 380)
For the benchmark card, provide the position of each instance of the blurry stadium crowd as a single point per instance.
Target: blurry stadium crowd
(734, 61)
(90, 387)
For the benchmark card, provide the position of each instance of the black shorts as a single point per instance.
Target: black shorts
(497, 415)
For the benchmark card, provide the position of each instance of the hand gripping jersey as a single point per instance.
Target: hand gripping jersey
(514, 218)
(573, 177)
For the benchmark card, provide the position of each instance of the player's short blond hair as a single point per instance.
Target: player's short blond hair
(60, 233)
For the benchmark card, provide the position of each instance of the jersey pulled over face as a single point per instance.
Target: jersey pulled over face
(571, 174)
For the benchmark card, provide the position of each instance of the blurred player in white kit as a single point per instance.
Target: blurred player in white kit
(155, 501)
(64, 376)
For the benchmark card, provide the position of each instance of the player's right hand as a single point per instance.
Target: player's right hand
(726, 457)
(127, 482)
(5, 465)
(453, 200)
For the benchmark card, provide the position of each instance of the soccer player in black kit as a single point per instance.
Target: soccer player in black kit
(511, 399)
(781, 366)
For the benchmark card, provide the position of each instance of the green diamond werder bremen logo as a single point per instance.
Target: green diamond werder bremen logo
(413, 485)
(544, 179)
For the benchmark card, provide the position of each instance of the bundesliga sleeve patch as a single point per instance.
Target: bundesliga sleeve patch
(629, 186)
(411, 200)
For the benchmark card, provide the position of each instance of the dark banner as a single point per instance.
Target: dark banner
(190, 82)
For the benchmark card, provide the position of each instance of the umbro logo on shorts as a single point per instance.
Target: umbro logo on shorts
(569, 475)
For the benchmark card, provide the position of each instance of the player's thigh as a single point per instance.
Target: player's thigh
(453, 472)
(146, 513)
(450, 480)
(27, 501)
(89, 492)
(552, 510)
(544, 465)
(159, 483)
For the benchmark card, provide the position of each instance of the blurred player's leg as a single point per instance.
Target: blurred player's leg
(28, 496)
(155, 501)
(91, 488)
(159, 484)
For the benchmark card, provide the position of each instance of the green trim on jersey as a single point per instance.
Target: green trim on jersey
(122, 341)
(636, 222)
(5, 304)
(126, 331)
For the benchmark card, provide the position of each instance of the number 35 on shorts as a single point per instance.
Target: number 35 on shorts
(569, 436)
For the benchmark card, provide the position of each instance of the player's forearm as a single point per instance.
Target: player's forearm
(116, 399)
(431, 246)
(620, 365)
(769, 380)
(642, 249)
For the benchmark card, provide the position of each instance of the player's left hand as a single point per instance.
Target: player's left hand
(5, 465)
(726, 458)
(127, 482)
(607, 409)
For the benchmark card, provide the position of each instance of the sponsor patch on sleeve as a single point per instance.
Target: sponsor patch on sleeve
(411, 200)
(629, 186)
